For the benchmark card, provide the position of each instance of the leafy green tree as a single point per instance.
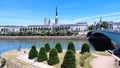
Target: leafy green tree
(91, 27)
(71, 47)
(43, 33)
(105, 24)
(69, 60)
(33, 52)
(53, 33)
(42, 55)
(59, 47)
(47, 47)
(53, 57)
(61, 33)
(3, 62)
(85, 48)
(48, 33)
(68, 33)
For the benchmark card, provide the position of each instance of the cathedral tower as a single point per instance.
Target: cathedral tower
(56, 17)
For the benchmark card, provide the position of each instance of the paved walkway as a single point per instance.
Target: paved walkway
(103, 61)
(32, 63)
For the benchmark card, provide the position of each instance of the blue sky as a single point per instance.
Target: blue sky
(32, 12)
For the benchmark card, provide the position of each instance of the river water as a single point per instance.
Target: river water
(6, 45)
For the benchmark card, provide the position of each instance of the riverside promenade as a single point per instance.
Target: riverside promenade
(43, 37)
(103, 61)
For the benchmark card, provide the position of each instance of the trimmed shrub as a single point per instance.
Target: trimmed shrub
(69, 60)
(47, 47)
(42, 55)
(85, 48)
(71, 47)
(33, 52)
(59, 47)
(53, 57)
(3, 62)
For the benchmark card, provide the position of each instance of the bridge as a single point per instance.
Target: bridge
(114, 36)
(106, 40)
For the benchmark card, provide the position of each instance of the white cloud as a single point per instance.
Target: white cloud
(13, 21)
(90, 19)
(66, 22)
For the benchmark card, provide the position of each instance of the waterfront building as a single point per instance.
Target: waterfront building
(97, 26)
(45, 21)
(10, 28)
(115, 26)
(78, 27)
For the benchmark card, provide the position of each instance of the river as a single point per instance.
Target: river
(13, 44)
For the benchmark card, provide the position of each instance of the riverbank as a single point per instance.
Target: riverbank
(43, 37)
(19, 59)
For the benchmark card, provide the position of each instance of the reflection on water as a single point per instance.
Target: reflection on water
(6, 45)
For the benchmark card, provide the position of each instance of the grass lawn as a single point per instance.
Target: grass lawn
(61, 57)
(13, 54)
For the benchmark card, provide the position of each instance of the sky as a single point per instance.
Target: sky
(33, 12)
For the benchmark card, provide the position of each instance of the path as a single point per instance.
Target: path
(38, 64)
(102, 61)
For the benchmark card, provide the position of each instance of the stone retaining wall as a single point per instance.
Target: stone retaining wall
(43, 37)
(12, 63)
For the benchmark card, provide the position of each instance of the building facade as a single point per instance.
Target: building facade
(78, 27)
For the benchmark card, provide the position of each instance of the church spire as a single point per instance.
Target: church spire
(100, 19)
(56, 17)
(56, 11)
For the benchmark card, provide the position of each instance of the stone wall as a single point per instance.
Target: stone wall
(12, 64)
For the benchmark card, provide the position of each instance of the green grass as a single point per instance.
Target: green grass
(13, 54)
(61, 57)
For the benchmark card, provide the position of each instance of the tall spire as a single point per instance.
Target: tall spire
(100, 19)
(45, 21)
(56, 17)
(56, 11)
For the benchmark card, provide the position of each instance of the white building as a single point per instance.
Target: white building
(79, 27)
(115, 26)
(4, 29)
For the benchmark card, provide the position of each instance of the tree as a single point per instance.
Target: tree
(85, 48)
(42, 55)
(33, 52)
(68, 33)
(53, 57)
(43, 33)
(91, 27)
(71, 47)
(69, 60)
(105, 24)
(47, 47)
(59, 47)
(3, 62)
(53, 33)
(48, 33)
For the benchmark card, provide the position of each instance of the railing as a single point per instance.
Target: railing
(117, 58)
